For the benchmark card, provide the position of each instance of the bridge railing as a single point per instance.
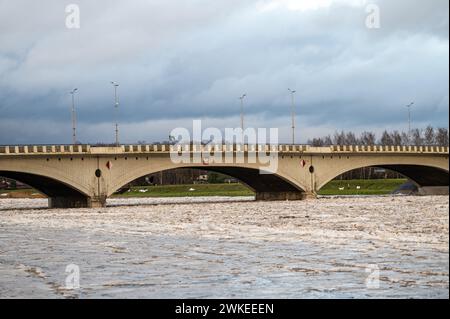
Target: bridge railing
(44, 149)
(212, 148)
(284, 148)
(387, 149)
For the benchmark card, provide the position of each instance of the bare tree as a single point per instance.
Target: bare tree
(386, 139)
(367, 138)
(339, 138)
(416, 137)
(350, 139)
(396, 138)
(317, 142)
(429, 136)
(405, 139)
(442, 137)
(327, 140)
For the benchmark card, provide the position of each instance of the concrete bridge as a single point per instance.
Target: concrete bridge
(85, 176)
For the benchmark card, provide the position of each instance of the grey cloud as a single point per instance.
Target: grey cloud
(177, 61)
(415, 16)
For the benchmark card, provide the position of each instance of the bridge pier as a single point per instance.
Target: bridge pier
(67, 202)
(97, 202)
(76, 202)
(280, 196)
(433, 190)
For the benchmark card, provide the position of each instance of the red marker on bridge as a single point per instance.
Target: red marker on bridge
(303, 163)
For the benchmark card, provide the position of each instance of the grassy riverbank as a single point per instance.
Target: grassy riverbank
(351, 187)
(188, 190)
(366, 187)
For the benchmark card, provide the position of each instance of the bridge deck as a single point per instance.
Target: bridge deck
(159, 148)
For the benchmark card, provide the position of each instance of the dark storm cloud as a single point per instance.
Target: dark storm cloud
(177, 61)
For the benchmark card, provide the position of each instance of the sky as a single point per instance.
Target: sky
(179, 61)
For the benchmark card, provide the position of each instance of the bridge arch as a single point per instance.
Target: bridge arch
(421, 175)
(60, 193)
(266, 186)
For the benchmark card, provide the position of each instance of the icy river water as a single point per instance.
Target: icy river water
(354, 247)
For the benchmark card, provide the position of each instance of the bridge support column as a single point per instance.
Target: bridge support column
(75, 202)
(433, 190)
(97, 202)
(279, 196)
(67, 202)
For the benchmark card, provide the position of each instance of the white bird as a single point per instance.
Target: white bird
(358, 187)
(341, 188)
(191, 189)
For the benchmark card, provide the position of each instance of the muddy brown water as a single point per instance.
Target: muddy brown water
(334, 247)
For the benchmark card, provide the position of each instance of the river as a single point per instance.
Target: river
(333, 247)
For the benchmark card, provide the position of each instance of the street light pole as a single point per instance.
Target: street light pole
(409, 119)
(293, 115)
(242, 115)
(74, 120)
(116, 106)
(242, 110)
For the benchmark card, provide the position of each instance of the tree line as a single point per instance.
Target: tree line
(429, 136)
